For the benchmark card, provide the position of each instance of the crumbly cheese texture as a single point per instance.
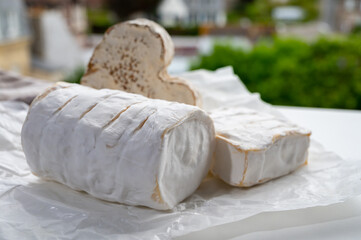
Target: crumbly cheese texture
(254, 147)
(118, 146)
(133, 56)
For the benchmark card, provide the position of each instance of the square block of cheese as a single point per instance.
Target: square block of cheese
(254, 147)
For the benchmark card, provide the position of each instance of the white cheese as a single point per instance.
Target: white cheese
(133, 56)
(118, 146)
(254, 147)
(246, 153)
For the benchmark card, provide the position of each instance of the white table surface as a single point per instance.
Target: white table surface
(336, 130)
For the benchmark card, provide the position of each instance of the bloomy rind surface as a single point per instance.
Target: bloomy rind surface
(118, 146)
(253, 147)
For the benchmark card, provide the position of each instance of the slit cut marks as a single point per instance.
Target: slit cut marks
(142, 123)
(63, 106)
(88, 110)
(47, 92)
(93, 106)
(118, 115)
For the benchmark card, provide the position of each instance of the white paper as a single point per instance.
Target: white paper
(31, 208)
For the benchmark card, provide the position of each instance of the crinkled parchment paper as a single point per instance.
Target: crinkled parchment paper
(31, 208)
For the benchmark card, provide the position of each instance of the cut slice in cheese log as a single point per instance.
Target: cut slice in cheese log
(133, 56)
(254, 147)
(118, 146)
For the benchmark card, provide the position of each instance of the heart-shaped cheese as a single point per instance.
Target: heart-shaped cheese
(133, 56)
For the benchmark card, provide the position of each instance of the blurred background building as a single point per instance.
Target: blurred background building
(341, 15)
(14, 37)
(280, 48)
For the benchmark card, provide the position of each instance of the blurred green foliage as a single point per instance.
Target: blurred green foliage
(100, 20)
(182, 30)
(125, 8)
(75, 75)
(260, 11)
(325, 73)
(356, 30)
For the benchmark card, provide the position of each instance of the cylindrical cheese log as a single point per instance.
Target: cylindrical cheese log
(118, 146)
